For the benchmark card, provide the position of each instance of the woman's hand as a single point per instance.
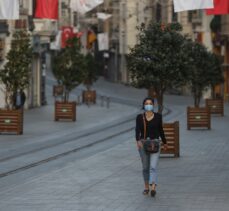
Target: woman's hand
(165, 146)
(139, 145)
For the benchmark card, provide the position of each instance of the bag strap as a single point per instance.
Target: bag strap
(144, 123)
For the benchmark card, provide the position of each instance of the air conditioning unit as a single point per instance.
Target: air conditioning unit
(45, 26)
(4, 27)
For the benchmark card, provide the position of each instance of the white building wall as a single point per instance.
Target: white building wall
(132, 14)
(131, 23)
(25, 4)
(139, 12)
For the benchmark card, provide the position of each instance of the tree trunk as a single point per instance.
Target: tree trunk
(197, 98)
(196, 101)
(213, 91)
(157, 93)
(88, 86)
(8, 99)
(160, 104)
(152, 92)
(160, 100)
(66, 96)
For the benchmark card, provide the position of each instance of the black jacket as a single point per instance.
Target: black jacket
(154, 128)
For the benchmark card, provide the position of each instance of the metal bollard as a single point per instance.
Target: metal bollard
(88, 100)
(102, 101)
(78, 100)
(108, 102)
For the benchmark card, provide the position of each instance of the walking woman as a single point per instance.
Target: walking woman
(149, 127)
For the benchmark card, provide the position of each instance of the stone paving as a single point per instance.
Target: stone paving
(111, 180)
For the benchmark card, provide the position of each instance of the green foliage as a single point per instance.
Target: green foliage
(92, 70)
(198, 63)
(204, 67)
(215, 24)
(159, 60)
(215, 73)
(69, 66)
(17, 71)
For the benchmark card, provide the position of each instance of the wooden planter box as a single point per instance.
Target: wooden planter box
(65, 111)
(89, 96)
(58, 90)
(11, 121)
(216, 106)
(173, 139)
(198, 118)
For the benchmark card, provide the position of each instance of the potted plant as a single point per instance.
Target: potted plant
(15, 77)
(215, 77)
(199, 67)
(69, 69)
(157, 62)
(89, 95)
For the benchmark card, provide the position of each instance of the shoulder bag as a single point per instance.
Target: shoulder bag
(150, 146)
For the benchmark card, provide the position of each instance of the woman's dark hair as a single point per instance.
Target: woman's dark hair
(147, 98)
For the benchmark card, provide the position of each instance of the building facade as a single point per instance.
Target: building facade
(196, 24)
(224, 49)
(42, 33)
(7, 28)
(122, 31)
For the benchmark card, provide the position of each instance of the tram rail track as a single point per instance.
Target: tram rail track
(75, 149)
(122, 127)
(70, 140)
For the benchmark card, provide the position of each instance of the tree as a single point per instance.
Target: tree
(198, 68)
(92, 71)
(69, 66)
(215, 74)
(204, 69)
(158, 60)
(17, 71)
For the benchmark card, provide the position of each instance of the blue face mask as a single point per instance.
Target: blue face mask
(148, 107)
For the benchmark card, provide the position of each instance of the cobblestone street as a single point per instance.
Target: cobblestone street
(111, 180)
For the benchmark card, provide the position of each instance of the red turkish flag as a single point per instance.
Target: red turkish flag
(46, 9)
(221, 7)
(67, 32)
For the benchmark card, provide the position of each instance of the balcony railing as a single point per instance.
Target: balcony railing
(45, 26)
(23, 11)
(21, 24)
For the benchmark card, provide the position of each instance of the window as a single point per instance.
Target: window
(194, 16)
(174, 15)
(21, 3)
(189, 16)
(158, 12)
(75, 19)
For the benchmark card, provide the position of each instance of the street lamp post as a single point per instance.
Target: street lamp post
(123, 43)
